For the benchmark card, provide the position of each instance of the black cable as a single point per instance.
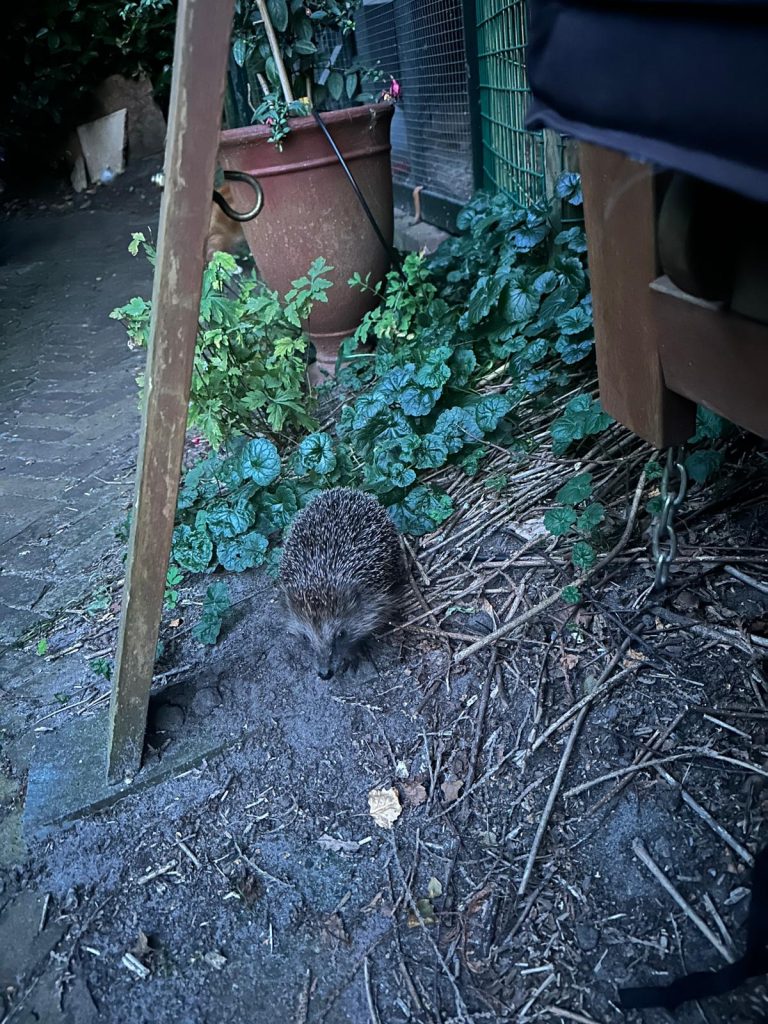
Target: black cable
(391, 252)
(701, 984)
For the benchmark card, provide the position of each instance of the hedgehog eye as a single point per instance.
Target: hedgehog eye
(341, 635)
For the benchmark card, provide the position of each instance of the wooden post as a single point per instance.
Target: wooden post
(197, 93)
(620, 217)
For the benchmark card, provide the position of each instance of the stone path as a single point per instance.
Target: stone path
(68, 405)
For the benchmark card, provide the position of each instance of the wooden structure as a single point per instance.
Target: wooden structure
(197, 95)
(660, 351)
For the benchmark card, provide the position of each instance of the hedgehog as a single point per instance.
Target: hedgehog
(341, 576)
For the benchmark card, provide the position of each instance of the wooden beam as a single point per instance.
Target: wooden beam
(713, 356)
(620, 218)
(197, 93)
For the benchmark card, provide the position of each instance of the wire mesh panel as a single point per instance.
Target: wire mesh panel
(421, 44)
(513, 158)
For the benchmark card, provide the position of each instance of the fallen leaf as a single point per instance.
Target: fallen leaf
(434, 888)
(335, 928)
(633, 655)
(450, 789)
(414, 793)
(215, 959)
(141, 949)
(175, 622)
(570, 661)
(338, 845)
(384, 805)
(426, 911)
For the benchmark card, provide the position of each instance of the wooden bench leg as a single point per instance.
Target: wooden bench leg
(620, 216)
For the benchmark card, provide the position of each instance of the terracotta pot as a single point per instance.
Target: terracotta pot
(311, 210)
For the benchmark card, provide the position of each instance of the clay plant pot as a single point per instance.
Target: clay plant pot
(310, 210)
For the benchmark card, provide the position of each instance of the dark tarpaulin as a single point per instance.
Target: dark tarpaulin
(680, 84)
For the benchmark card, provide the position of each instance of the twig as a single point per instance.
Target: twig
(618, 773)
(531, 613)
(559, 1011)
(44, 915)
(375, 1019)
(274, 47)
(544, 985)
(480, 724)
(745, 578)
(646, 753)
(601, 688)
(302, 1010)
(642, 854)
(735, 760)
(461, 1007)
(551, 800)
(724, 933)
(188, 853)
(718, 634)
(156, 872)
(725, 725)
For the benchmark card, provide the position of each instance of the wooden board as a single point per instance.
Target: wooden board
(197, 93)
(619, 213)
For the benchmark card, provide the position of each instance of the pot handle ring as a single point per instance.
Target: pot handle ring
(234, 214)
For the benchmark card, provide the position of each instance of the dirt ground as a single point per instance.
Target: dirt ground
(256, 886)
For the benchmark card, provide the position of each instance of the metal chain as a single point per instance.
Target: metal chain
(674, 482)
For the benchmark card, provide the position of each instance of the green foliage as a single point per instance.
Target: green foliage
(448, 366)
(102, 667)
(583, 555)
(491, 303)
(42, 647)
(215, 606)
(250, 361)
(61, 50)
(173, 579)
(703, 464)
(320, 74)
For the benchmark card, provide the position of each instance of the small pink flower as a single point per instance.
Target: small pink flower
(394, 89)
(270, 121)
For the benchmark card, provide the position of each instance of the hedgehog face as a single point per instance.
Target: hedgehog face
(334, 648)
(333, 643)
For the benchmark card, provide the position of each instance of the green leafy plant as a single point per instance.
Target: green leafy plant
(462, 348)
(102, 667)
(466, 341)
(250, 361)
(42, 647)
(173, 579)
(309, 69)
(575, 512)
(61, 50)
(215, 606)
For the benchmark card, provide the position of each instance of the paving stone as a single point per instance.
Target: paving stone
(34, 559)
(37, 469)
(21, 591)
(14, 622)
(41, 435)
(28, 487)
(25, 512)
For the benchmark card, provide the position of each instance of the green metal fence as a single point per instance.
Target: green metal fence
(524, 164)
(513, 159)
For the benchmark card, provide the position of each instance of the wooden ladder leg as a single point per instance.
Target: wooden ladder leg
(620, 217)
(197, 93)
